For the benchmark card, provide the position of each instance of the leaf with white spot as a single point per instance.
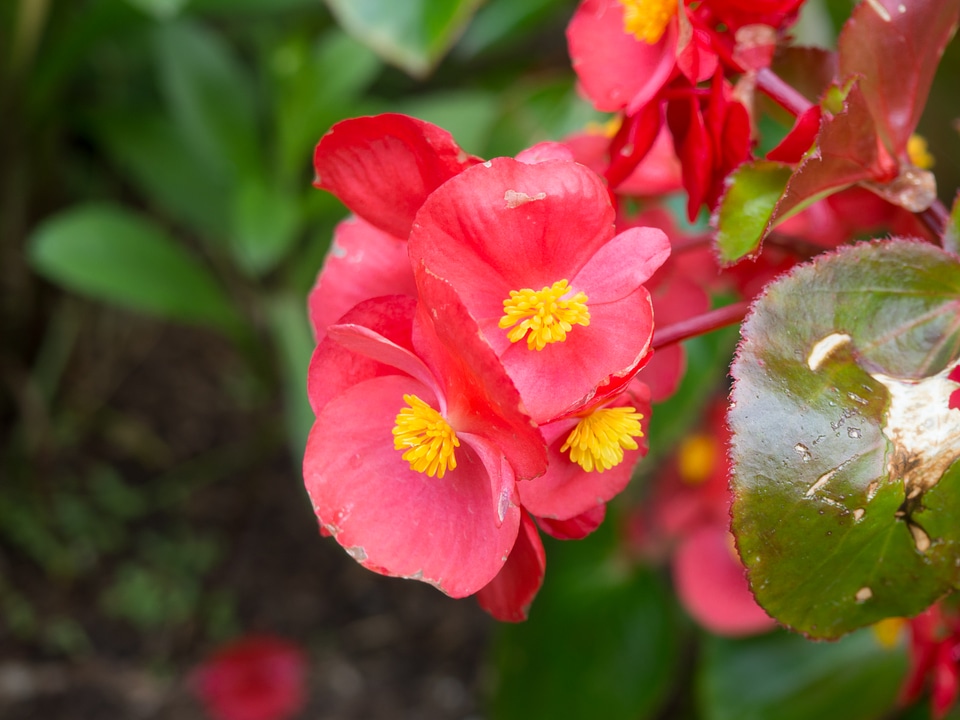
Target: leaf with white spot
(846, 495)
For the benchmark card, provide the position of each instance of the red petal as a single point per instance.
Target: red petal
(712, 585)
(509, 595)
(394, 520)
(363, 262)
(798, 141)
(632, 142)
(334, 367)
(616, 70)
(575, 528)
(384, 167)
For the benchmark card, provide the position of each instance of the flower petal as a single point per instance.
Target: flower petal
(392, 519)
(384, 167)
(509, 595)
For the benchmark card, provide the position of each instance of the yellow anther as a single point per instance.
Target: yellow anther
(918, 153)
(696, 458)
(599, 439)
(647, 20)
(888, 631)
(543, 314)
(428, 439)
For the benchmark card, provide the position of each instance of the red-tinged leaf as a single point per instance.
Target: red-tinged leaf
(809, 70)
(894, 46)
(847, 153)
(801, 136)
(846, 497)
(746, 209)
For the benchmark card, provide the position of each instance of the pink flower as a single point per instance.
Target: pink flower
(690, 513)
(531, 252)
(255, 678)
(934, 659)
(419, 440)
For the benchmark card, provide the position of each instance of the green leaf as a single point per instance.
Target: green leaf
(786, 677)
(743, 218)
(846, 497)
(209, 96)
(160, 9)
(154, 153)
(317, 84)
(116, 256)
(265, 225)
(600, 641)
(287, 315)
(413, 35)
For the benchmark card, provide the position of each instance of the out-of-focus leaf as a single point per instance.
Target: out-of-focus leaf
(160, 9)
(951, 237)
(294, 343)
(209, 96)
(846, 497)
(252, 6)
(465, 114)
(413, 35)
(809, 70)
(155, 154)
(115, 256)
(895, 47)
(265, 225)
(745, 211)
(317, 85)
(786, 677)
(505, 21)
(600, 641)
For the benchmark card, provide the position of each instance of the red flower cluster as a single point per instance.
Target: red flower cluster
(479, 327)
(648, 59)
(255, 678)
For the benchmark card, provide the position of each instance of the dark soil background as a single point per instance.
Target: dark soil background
(160, 404)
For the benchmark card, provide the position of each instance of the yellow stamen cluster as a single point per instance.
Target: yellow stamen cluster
(647, 20)
(543, 314)
(428, 439)
(696, 458)
(599, 439)
(888, 631)
(918, 152)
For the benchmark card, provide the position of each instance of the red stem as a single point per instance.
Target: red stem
(700, 325)
(781, 93)
(935, 219)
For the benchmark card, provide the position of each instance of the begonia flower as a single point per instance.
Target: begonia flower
(531, 251)
(254, 678)
(413, 459)
(591, 456)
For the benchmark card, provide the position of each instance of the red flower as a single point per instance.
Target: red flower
(419, 440)
(531, 251)
(934, 659)
(255, 678)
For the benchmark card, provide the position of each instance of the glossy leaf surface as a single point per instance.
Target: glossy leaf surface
(846, 498)
(746, 209)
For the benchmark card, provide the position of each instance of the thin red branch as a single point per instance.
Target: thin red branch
(786, 96)
(700, 325)
(935, 219)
